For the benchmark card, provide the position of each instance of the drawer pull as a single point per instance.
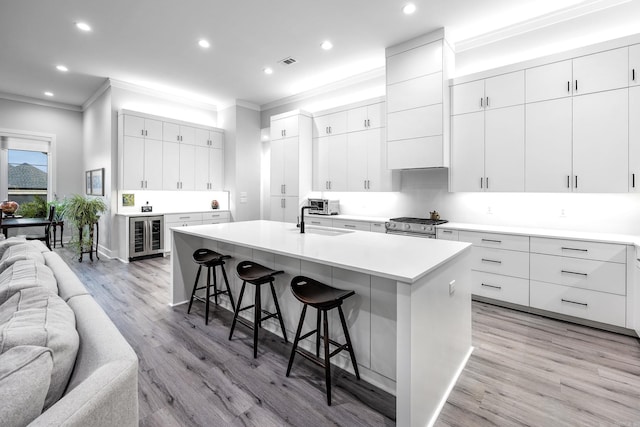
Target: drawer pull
(349, 226)
(584, 304)
(491, 260)
(573, 272)
(184, 217)
(447, 232)
(492, 241)
(315, 222)
(491, 286)
(574, 249)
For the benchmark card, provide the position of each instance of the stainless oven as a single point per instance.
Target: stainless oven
(417, 227)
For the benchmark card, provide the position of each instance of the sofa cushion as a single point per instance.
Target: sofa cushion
(68, 283)
(25, 375)
(11, 241)
(20, 252)
(34, 316)
(26, 274)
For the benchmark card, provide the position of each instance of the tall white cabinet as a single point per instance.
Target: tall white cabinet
(418, 102)
(156, 153)
(291, 168)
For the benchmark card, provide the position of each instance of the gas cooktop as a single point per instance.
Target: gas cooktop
(425, 221)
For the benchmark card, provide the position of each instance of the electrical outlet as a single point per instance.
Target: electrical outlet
(452, 287)
(489, 211)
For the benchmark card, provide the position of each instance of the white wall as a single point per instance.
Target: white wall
(66, 125)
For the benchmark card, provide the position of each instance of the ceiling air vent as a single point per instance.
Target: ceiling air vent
(288, 61)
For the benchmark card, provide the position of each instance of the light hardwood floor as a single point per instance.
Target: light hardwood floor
(525, 370)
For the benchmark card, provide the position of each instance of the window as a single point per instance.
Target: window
(26, 166)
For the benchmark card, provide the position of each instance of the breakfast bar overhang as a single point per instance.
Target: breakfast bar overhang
(410, 321)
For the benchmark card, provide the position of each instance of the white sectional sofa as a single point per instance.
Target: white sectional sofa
(62, 360)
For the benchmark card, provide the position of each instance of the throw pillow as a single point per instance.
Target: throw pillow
(35, 316)
(25, 375)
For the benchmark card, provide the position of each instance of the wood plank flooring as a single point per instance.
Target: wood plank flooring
(526, 370)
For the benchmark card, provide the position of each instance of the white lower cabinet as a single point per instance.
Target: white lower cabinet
(284, 208)
(583, 303)
(579, 278)
(351, 225)
(514, 290)
(320, 222)
(186, 219)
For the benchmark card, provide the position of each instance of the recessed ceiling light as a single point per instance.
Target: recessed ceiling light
(203, 43)
(409, 8)
(268, 70)
(326, 45)
(83, 26)
(62, 68)
(47, 93)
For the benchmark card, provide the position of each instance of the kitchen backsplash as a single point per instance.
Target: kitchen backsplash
(173, 201)
(423, 191)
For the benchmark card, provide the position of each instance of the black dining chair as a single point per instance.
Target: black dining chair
(46, 237)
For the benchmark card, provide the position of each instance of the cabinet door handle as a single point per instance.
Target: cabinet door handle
(365, 184)
(487, 179)
(481, 183)
(364, 122)
(565, 248)
(494, 261)
(368, 123)
(481, 102)
(633, 74)
(576, 181)
(584, 304)
(491, 286)
(329, 185)
(490, 240)
(487, 101)
(142, 132)
(633, 180)
(576, 86)
(573, 272)
(284, 188)
(145, 184)
(568, 87)
(568, 181)
(141, 184)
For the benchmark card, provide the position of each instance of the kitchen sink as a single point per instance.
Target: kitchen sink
(323, 231)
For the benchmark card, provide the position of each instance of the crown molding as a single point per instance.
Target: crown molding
(102, 89)
(120, 84)
(41, 102)
(239, 103)
(371, 75)
(546, 20)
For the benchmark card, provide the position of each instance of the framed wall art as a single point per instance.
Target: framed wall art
(94, 182)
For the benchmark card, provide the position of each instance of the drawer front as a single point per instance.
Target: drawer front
(495, 240)
(322, 222)
(351, 225)
(499, 261)
(183, 224)
(610, 252)
(443, 234)
(583, 303)
(378, 227)
(215, 216)
(580, 273)
(504, 288)
(183, 217)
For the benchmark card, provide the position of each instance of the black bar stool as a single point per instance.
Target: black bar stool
(323, 298)
(210, 259)
(256, 274)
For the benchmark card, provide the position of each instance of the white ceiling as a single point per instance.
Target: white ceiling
(153, 43)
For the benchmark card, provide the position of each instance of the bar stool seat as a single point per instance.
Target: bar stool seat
(210, 259)
(323, 298)
(257, 275)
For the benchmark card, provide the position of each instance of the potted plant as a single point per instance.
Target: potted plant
(83, 213)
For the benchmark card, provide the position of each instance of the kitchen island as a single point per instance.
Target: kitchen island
(410, 320)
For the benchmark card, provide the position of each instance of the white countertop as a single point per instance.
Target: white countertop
(154, 213)
(625, 239)
(395, 257)
(351, 217)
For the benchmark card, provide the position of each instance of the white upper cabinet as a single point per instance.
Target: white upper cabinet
(208, 138)
(366, 117)
(505, 90)
(467, 152)
(366, 163)
(601, 71)
(142, 127)
(634, 65)
(550, 81)
(284, 127)
(330, 163)
(330, 124)
(504, 149)
(634, 139)
(548, 154)
(601, 142)
(172, 132)
(467, 97)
